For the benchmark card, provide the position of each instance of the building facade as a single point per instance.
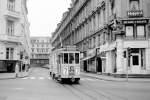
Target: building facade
(40, 51)
(113, 35)
(14, 35)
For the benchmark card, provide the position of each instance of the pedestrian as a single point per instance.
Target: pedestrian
(17, 69)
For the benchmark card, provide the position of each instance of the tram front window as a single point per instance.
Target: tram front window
(77, 58)
(65, 58)
(71, 58)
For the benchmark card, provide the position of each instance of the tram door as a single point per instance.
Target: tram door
(135, 61)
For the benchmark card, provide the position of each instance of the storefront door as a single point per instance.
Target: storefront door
(135, 63)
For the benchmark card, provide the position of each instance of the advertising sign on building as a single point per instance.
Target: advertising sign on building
(135, 13)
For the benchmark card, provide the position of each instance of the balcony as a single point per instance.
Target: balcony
(13, 39)
(12, 15)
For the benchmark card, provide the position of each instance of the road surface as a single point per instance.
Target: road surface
(39, 86)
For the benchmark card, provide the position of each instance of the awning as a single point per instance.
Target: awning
(89, 57)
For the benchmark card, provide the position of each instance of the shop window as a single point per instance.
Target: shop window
(129, 31)
(135, 60)
(140, 31)
(143, 58)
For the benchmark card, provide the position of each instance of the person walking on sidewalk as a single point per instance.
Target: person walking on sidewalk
(17, 69)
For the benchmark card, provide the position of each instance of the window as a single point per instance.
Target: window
(21, 55)
(9, 53)
(90, 43)
(77, 58)
(102, 39)
(11, 5)
(135, 60)
(37, 50)
(32, 50)
(10, 28)
(140, 31)
(65, 58)
(94, 40)
(134, 4)
(71, 58)
(104, 16)
(129, 31)
(99, 40)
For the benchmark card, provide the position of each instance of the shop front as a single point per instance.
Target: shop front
(8, 66)
(89, 61)
(94, 61)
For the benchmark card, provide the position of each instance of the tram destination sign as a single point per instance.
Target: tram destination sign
(137, 21)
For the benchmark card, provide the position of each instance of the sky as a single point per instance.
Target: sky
(44, 15)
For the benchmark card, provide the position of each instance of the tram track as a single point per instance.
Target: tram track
(104, 93)
(81, 94)
(84, 91)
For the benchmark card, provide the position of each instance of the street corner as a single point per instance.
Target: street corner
(4, 76)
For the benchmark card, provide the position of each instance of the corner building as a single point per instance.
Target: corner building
(113, 36)
(40, 51)
(14, 35)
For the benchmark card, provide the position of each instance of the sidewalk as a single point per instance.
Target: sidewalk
(4, 76)
(111, 78)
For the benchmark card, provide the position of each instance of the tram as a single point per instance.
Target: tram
(65, 64)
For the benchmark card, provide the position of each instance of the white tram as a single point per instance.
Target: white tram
(65, 64)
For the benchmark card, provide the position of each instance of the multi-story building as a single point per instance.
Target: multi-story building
(14, 34)
(112, 35)
(40, 51)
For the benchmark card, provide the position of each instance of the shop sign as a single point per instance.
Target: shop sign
(135, 13)
(140, 21)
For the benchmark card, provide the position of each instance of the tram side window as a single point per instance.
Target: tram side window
(71, 58)
(77, 58)
(65, 58)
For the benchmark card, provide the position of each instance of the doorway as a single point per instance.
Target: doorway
(135, 61)
(99, 64)
(85, 65)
